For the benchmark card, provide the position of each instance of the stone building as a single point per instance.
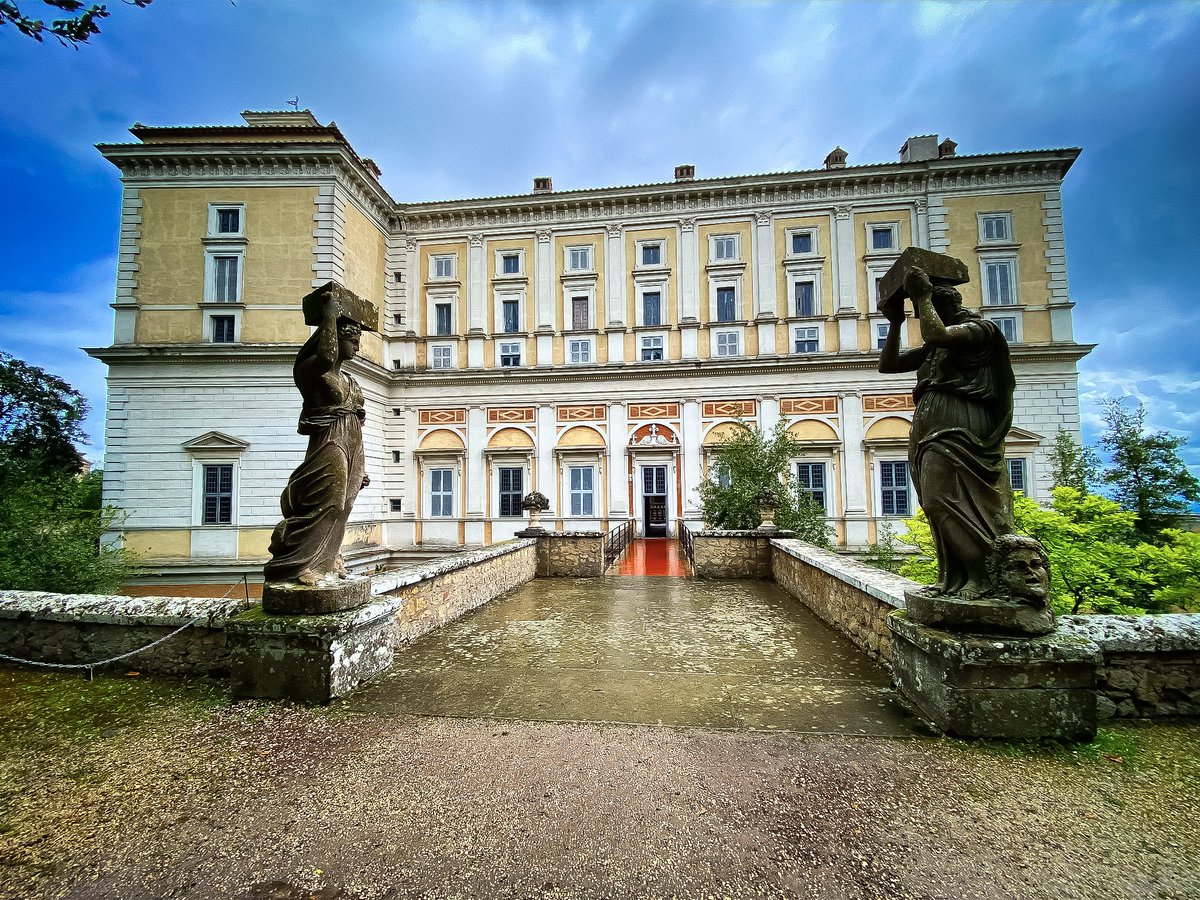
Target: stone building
(591, 344)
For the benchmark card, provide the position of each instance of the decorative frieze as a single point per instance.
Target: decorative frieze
(654, 411)
(729, 409)
(443, 417)
(593, 413)
(877, 403)
(511, 414)
(808, 406)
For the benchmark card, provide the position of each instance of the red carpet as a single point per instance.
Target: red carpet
(653, 556)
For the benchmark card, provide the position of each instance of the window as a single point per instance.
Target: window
(803, 242)
(395, 456)
(225, 279)
(999, 289)
(442, 357)
(441, 493)
(511, 310)
(443, 318)
(722, 474)
(651, 254)
(811, 478)
(652, 348)
(396, 504)
(218, 494)
(510, 492)
(229, 221)
(222, 329)
(881, 333)
(726, 304)
(581, 351)
(806, 298)
(1016, 475)
(510, 263)
(579, 259)
(1008, 327)
(582, 495)
(579, 314)
(727, 343)
(883, 237)
(510, 355)
(443, 267)
(995, 228)
(652, 308)
(807, 340)
(724, 247)
(893, 488)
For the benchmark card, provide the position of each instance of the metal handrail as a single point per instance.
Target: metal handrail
(616, 541)
(685, 542)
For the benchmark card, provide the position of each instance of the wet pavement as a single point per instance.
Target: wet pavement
(647, 650)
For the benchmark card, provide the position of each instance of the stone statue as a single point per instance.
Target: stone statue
(964, 408)
(306, 546)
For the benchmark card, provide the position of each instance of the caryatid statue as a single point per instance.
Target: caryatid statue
(306, 573)
(964, 410)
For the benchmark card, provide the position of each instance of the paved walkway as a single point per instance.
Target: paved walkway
(653, 556)
(643, 650)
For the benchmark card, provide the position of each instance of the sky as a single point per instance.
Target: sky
(457, 100)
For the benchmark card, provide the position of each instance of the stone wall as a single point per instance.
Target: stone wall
(732, 554)
(88, 628)
(853, 597)
(570, 554)
(1150, 665)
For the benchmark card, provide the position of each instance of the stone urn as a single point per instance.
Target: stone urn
(535, 503)
(768, 502)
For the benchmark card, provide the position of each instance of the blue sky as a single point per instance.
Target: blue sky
(472, 99)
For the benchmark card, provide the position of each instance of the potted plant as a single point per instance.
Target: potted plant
(535, 503)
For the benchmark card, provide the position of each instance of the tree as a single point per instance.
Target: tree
(1146, 474)
(1072, 464)
(41, 418)
(72, 31)
(748, 466)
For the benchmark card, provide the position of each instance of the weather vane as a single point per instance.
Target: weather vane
(294, 103)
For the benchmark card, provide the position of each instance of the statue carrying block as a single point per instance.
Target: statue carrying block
(350, 305)
(940, 268)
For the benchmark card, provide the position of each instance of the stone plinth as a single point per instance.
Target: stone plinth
(570, 554)
(982, 616)
(997, 687)
(310, 659)
(289, 598)
(733, 554)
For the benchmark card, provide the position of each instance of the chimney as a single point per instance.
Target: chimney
(921, 147)
(947, 148)
(543, 185)
(685, 173)
(836, 159)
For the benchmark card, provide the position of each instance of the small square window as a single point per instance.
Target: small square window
(652, 348)
(883, 237)
(395, 456)
(581, 351)
(222, 329)
(397, 318)
(726, 304)
(443, 318)
(396, 504)
(510, 355)
(881, 333)
(651, 254)
(1008, 327)
(511, 263)
(808, 340)
(443, 358)
(803, 243)
(995, 228)
(229, 221)
(443, 267)
(806, 298)
(579, 259)
(652, 308)
(728, 343)
(725, 247)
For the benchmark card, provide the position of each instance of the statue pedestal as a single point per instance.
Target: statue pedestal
(983, 616)
(290, 598)
(997, 687)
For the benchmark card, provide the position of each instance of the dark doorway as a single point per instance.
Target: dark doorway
(654, 500)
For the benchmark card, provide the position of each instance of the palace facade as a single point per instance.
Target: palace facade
(594, 345)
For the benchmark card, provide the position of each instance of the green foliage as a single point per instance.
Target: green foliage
(757, 464)
(885, 552)
(41, 418)
(1073, 465)
(1146, 475)
(921, 568)
(77, 29)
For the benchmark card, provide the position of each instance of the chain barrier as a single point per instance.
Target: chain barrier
(92, 666)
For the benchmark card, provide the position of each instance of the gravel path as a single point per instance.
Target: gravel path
(195, 798)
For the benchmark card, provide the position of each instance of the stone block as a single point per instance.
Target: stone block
(997, 687)
(982, 616)
(350, 305)
(293, 599)
(939, 267)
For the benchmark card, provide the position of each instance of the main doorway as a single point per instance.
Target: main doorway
(654, 501)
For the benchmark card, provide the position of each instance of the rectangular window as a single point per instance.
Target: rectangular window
(225, 279)
(726, 304)
(652, 254)
(579, 259)
(582, 495)
(511, 492)
(808, 340)
(396, 504)
(725, 247)
(229, 221)
(883, 237)
(218, 495)
(581, 351)
(806, 298)
(442, 358)
(579, 314)
(1016, 475)
(722, 475)
(998, 280)
(727, 343)
(510, 355)
(881, 333)
(443, 267)
(442, 318)
(802, 242)
(995, 228)
(511, 263)
(652, 308)
(222, 329)
(441, 493)
(512, 315)
(652, 348)
(1008, 327)
(893, 488)
(811, 477)
(395, 456)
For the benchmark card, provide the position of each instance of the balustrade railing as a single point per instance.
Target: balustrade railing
(685, 542)
(615, 542)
